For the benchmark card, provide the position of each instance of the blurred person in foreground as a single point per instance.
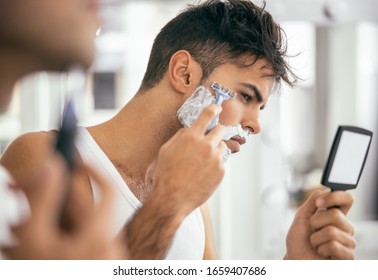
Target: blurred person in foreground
(46, 35)
(238, 45)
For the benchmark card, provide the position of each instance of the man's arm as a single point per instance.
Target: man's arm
(152, 229)
(189, 168)
(210, 252)
(26, 153)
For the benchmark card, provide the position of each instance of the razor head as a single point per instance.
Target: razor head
(222, 90)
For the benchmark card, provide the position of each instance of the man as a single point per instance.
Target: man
(54, 35)
(45, 35)
(238, 45)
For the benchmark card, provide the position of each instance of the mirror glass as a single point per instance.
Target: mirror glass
(349, 158)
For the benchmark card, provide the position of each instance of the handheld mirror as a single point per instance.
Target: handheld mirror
(347, 158)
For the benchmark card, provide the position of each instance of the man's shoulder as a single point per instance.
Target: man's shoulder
(27, 150)
(31, 142)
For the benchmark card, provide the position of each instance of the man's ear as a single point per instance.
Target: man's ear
(184, 72)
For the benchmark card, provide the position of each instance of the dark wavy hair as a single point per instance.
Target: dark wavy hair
(218, 32)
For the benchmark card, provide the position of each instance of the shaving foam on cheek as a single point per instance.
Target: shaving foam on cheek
(194, 105)
(199, 100)
(232, 131)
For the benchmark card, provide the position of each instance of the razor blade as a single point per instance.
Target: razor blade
(221, 94)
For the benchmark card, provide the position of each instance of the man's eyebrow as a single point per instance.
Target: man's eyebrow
(256, 91)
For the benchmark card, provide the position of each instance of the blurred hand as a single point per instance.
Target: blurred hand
(41, 237)
(321, 232)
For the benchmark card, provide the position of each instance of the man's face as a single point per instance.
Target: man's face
(252, 85)
(57, 34)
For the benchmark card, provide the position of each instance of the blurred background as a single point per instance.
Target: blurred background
(336, 42)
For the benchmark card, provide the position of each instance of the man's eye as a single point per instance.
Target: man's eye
(246, 97)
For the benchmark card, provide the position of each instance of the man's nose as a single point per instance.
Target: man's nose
(252, 123)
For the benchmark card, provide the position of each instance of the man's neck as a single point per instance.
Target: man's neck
(133, 137)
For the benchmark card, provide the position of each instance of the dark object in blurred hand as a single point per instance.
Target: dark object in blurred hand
(65, 143)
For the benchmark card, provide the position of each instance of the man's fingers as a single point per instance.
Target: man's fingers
(216, 134)
(204, 119)
(309, 207)
(341, 199)
(332, 233)
(333, 217)
(45, 189)
(336, 251)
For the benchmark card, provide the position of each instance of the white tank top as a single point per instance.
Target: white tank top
(189, 240)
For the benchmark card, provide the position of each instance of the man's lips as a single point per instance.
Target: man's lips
(240, 140)
(234, 144)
